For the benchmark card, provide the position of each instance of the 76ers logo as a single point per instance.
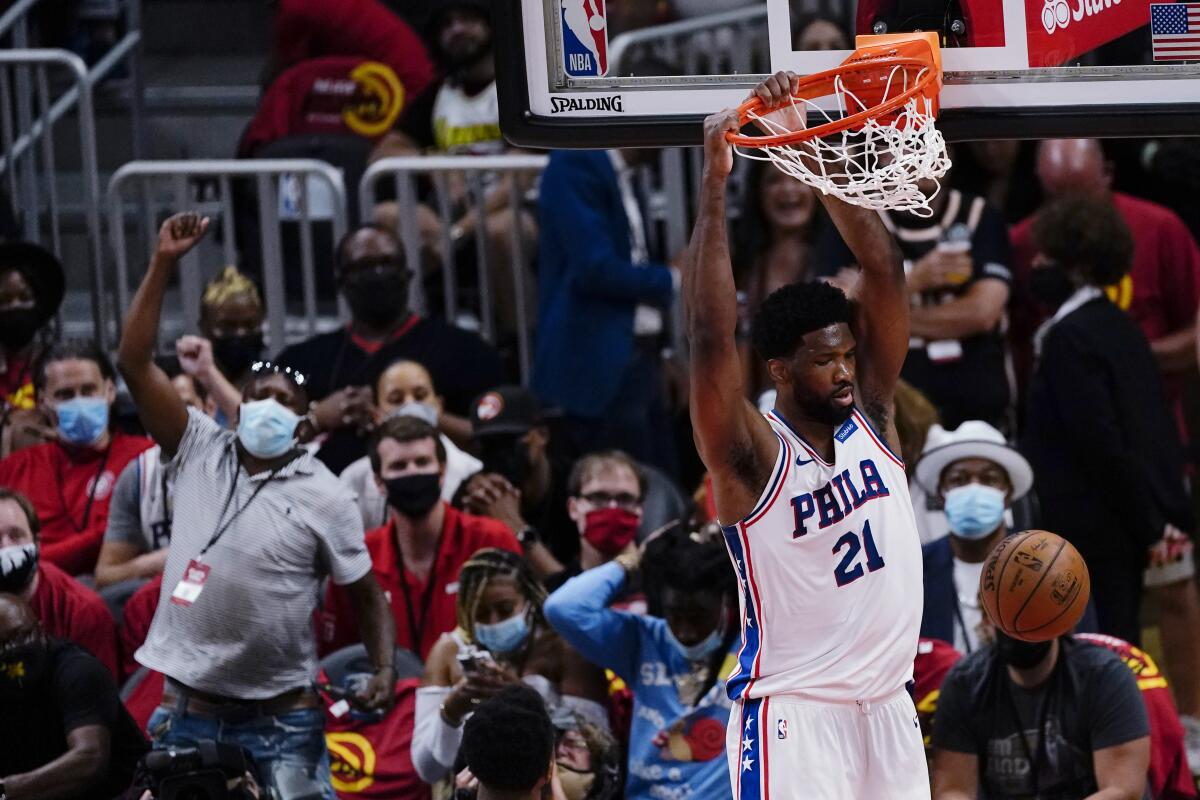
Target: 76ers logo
(584, 38)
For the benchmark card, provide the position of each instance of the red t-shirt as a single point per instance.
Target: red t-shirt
(374, 760)
(934, 659)
(69, 610)
(61, 482)
(462, 535)
(307, 29)
(1170, 778)
(1160, 292)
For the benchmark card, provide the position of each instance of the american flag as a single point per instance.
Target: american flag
(1175, 31)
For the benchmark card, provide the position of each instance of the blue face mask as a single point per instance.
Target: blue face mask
(266, 428)
(974, 511)
(82, 420)
(504, 636)
(701, 649)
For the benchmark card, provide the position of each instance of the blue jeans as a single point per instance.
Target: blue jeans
(294, 737)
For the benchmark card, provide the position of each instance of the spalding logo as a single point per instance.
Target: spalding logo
(1064, 587)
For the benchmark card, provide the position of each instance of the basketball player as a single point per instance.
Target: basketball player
(816, 510)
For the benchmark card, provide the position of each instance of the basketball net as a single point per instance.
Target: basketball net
(880, 143)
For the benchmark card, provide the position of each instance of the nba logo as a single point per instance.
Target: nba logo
(781, 729)
(585, 38)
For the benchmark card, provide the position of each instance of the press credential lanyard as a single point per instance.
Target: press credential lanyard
(196, 574)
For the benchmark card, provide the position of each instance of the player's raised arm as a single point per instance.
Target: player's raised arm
(734, 440)
(880, 320)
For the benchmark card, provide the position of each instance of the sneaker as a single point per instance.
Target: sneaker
(1191, 741)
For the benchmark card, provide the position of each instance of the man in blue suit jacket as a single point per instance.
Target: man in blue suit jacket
(978, 476)
(600, 321)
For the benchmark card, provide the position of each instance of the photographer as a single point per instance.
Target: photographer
(259, 523)
(63, 731)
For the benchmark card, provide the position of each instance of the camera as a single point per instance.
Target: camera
(214, 771)
(203, 772)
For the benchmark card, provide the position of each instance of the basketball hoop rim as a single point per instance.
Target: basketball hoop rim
(929, 80)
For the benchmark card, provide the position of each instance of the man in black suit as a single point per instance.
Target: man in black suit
(1099, 432)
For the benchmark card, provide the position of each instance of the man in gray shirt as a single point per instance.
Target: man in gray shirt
(258, 524)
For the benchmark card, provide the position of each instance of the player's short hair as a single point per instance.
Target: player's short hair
(70, 350)
(792, 311)
(1085, 233)
(508, 742)
(687, 560)
(403, 429)
(592, 464)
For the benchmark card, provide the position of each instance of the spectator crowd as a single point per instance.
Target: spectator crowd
(372, 564)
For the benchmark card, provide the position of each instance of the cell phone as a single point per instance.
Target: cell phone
(472, 658)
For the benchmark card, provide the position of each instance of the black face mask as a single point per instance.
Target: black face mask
(18, 563)
(414, 496)
(376, 297)
(18, 326)
(511, 461)
(235, 354)
(1050, 285)
(1020, 655)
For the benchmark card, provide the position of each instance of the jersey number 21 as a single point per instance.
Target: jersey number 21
(848, 571)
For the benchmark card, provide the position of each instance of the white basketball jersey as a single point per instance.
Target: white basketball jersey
(829, 563)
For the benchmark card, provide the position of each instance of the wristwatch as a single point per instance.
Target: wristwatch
(527, 536)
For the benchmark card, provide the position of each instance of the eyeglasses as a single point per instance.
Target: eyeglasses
(269, 367)
(624, 500)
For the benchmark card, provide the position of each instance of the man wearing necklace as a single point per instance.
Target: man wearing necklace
(675, 660)
(70, 480)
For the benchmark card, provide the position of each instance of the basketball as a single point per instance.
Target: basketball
(1034, 586)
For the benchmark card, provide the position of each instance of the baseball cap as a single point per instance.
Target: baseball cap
(505, 409)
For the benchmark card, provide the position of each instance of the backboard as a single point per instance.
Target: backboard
(601, 73)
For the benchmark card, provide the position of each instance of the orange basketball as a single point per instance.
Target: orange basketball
(1034, 586)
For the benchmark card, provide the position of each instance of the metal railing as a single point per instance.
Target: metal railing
(19, 165)
(729, 42)
(296, 178)
(28, 115)
(477, 171)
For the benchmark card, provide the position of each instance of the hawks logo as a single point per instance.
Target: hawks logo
(377, 99)
(352, 761)
(490, 406)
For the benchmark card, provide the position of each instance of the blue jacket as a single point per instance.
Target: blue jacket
(636, 648)
(941, 601)
(587, 285)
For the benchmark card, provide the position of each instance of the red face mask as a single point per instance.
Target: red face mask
(610, 530)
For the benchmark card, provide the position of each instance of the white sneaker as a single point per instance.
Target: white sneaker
(1191, 741)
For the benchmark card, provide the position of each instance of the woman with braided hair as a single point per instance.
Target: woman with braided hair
(502, 638)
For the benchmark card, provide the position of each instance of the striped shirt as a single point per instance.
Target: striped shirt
(249, 634)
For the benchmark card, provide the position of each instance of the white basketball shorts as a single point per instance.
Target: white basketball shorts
(781, 748)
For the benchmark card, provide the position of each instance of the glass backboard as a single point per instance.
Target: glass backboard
(597, 73)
